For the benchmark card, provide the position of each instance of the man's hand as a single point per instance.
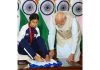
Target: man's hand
(51, 53)
(70, 58)
(38, 58)
(47, 58)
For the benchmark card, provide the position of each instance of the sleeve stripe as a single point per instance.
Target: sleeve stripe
(28, 53)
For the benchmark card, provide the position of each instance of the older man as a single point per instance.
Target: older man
(68, 37)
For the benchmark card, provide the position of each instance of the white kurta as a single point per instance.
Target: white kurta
(66, 46)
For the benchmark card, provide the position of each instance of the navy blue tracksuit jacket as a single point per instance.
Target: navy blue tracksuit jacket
(37, 46)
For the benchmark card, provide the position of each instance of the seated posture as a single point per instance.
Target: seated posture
(68, 36)
(30, 42)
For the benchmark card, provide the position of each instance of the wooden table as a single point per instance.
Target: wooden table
(76, 66)
(57, 68)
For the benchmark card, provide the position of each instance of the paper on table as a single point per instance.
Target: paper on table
(42, 63)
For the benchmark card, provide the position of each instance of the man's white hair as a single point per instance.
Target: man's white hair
(66, 13)
(60, 12)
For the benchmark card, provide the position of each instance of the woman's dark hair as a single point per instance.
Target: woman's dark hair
(34, 16)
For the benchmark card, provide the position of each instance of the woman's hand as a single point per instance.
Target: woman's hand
(38, 58)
